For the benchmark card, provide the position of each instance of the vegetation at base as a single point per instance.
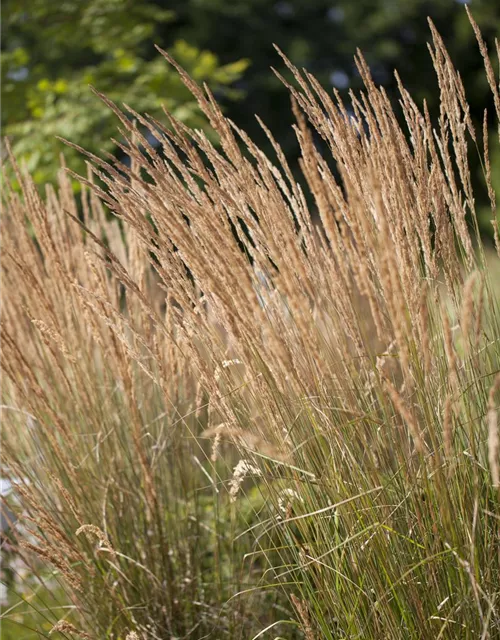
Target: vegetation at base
(222, 419)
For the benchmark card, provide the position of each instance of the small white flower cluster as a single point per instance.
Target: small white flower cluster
(243, 469)
(224, 365)
(286, 497)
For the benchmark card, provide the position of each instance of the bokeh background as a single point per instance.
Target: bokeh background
(52, 51)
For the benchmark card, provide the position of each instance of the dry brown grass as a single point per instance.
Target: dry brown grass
(352, 362)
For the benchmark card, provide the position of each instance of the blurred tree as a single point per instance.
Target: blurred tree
(322, 35)
(52, 51)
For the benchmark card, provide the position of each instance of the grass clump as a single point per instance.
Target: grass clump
(224, 419)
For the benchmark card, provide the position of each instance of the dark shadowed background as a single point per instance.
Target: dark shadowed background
(52, 52)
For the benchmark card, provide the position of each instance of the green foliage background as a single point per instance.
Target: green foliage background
(52, 51)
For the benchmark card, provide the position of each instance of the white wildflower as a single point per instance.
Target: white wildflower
(243, 469)
(286, 497)
(224, 365)
(285, 500)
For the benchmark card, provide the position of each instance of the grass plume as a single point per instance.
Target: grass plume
(271, 404)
